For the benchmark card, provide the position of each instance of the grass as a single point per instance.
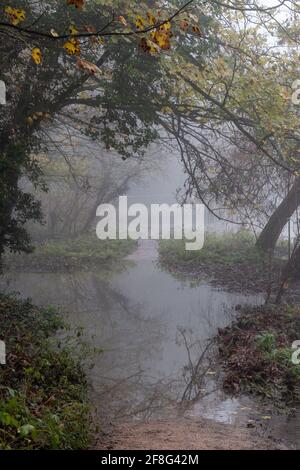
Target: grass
(230, 260)
(225, 248)
(80, 253)
(256, 351)
(86, 247)
(43, 389)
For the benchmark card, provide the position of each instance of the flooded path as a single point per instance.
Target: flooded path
(141, 318)
(150, 326)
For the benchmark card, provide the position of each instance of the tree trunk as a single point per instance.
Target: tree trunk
(290, 273)
(272, 230)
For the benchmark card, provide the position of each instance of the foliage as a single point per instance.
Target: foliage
(257, 354)
(231, 115)
(218, 91)
(43, 403)
(231, 260)
(266, 341)
(47, 92)
(152, 28)
(25, 207)
(87, 247)
(79, 254)
(225, 248)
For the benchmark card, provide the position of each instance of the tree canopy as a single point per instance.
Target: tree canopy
(215, 78)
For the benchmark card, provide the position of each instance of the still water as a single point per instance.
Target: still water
(138, 317)
(147, 323)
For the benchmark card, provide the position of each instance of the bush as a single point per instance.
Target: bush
(257, 353)
(43, 390)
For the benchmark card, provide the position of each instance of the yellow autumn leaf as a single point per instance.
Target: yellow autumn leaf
(16, 16)
(162, 39)
(166, 26)
(139, 22)
(73, 30)
(72, 47)
(154, 49)
(151, 18)
(149, 46)
(36, 55)
(166, 110)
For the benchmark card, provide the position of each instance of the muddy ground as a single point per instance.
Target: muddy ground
(185, 434)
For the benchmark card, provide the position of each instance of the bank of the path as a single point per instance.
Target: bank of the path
(184, 434)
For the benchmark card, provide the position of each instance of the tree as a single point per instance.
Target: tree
(81, 175)
(269, 235)
(233, 119)
(37, 22)
(47, 78)
(198, 86)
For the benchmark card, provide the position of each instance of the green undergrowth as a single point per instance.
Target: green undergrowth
(43, 388)
(80, 253)
(225, 248)
(230, 260)
(256, 351)
(86, 247)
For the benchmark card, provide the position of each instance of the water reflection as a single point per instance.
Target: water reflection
(138, 317)
(135, 318)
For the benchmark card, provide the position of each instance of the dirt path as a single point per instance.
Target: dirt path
(183, 434)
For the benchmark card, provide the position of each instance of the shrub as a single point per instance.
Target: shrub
(43, 392)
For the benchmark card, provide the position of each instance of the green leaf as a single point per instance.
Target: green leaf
(8, 420)
(26, 429)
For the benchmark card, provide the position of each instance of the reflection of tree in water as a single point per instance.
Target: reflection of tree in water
(111, 321)
(146, 397)
(142, 367)
(130, 341)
